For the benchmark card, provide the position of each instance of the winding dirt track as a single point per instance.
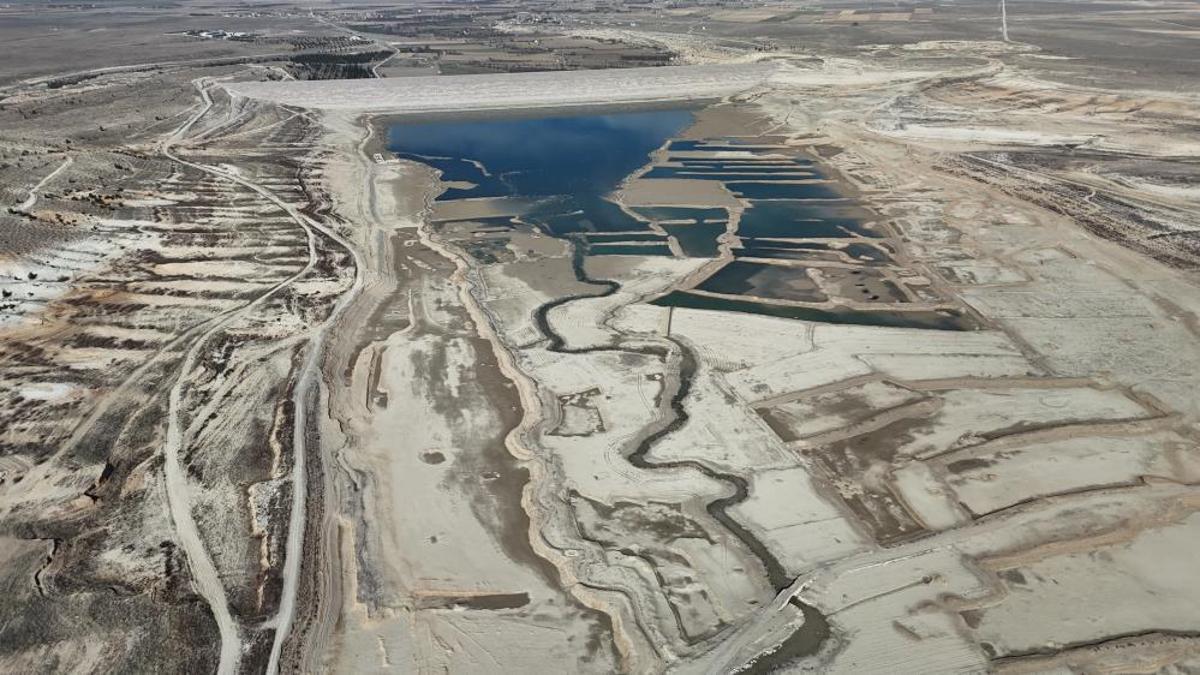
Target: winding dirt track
(303, 644)
(178, 489)
(33, 192)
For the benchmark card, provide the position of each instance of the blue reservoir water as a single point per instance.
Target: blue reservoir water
(610, 237)
(631, 249)
(925, 319)
(578, 159)
(727, 176)
(796, 250)
(569, 164)
(803, 219)
(708, 145)
(698, 240)
(683, 213)
(763, 281)
(785, 190)
(696, 229)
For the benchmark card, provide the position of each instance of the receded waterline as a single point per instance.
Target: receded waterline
(579, 160)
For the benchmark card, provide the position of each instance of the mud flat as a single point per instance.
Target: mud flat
(667, 442)
(875, 357)
(661, 559)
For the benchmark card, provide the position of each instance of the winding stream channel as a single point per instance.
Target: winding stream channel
(568, 164)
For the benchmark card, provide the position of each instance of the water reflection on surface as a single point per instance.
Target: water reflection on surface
(805, 247)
